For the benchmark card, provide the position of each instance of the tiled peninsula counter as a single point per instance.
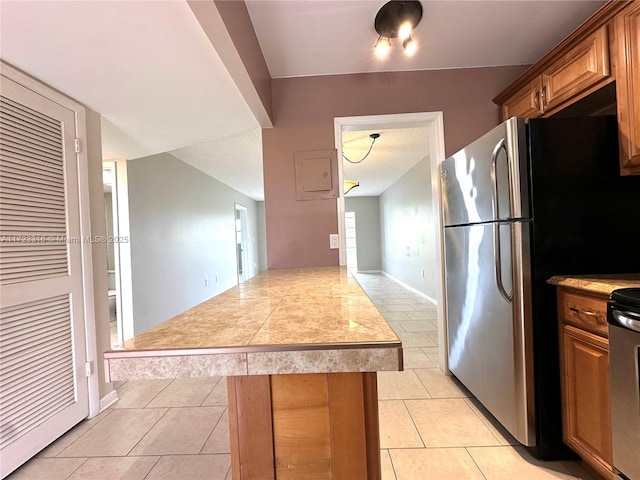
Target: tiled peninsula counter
(300, 348)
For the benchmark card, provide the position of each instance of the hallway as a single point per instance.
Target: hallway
(430, 428)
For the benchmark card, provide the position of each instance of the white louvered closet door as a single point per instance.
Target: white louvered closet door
(43, 385)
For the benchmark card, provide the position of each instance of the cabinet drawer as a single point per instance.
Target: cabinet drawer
(584, 311)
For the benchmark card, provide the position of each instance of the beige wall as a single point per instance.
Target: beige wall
(303, 111)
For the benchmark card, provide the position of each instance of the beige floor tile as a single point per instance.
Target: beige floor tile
(72, 435)
(439, 385)
(115, 468)
(181, 431)
(426, 308)
(218, 395)
(433, 354)
(435, 464)
(47, 469)
(414, 357)
(399, 301)
(400, 385)
(185, 392)
(218, 441)
(138, 393)
(579, 470)
(423, 325)
(449, 423)
(416, 339)
(507, 463)
(423, 314)
(395, 316)
(396, 427)
(433, 336)
(116, 435)
(396, 327)
(501, 433)
(398, 308)
(387, 467)
(382, 308)
(191, 467)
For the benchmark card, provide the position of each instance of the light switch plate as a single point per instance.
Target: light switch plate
(333, 241)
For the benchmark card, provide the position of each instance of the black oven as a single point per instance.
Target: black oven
(624, 367)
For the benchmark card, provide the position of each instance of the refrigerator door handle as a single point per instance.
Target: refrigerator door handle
(497, 263)
(494, 179)
(497, 250)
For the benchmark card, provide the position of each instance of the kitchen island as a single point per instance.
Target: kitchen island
(300, 348)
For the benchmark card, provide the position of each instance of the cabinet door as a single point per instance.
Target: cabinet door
(525, 103)
(586, 418)
(581, 68)
(627, 24)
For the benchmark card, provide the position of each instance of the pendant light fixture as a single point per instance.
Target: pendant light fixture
(349, 184)
(397, 19)
(373, 137)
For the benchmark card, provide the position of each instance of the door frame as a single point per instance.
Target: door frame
(122, 248)
(434, 122)
(244, 225)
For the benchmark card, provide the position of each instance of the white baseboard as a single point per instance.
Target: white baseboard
(369, 271)
(108, 400)
(409, 287)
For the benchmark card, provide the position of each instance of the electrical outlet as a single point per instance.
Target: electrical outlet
(422, 272)
(206, 280)
(217, 277)
(333, 241)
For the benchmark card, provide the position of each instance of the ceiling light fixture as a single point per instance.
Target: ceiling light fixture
(349, 184)
(373, 137)
(397, 19)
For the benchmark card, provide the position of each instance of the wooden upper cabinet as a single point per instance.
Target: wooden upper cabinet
(579, 71)
(579, 66)
(525, 103)
(582, 67)
(627, 41)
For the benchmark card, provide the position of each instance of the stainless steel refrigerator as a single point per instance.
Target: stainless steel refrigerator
(528, 200)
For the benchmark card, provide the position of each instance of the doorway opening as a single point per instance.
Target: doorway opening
(118, 251)
(432, 130)
(241, 243)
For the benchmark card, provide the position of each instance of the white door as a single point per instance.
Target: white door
(43, 384)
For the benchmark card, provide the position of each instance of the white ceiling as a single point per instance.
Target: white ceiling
(235, 163)
(394, 153)
(151, 72)
(303, 37)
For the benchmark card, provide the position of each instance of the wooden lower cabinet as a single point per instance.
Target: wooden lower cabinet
(586, 406)
(304, 426)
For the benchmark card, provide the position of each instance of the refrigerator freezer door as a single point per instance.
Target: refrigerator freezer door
(481, 183)
(484, 327)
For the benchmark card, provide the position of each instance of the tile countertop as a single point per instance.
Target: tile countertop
(600, 284)
(309, 320)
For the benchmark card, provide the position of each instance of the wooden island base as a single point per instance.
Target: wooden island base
(304, 426)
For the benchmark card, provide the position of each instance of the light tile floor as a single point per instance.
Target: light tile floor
(430, 427)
